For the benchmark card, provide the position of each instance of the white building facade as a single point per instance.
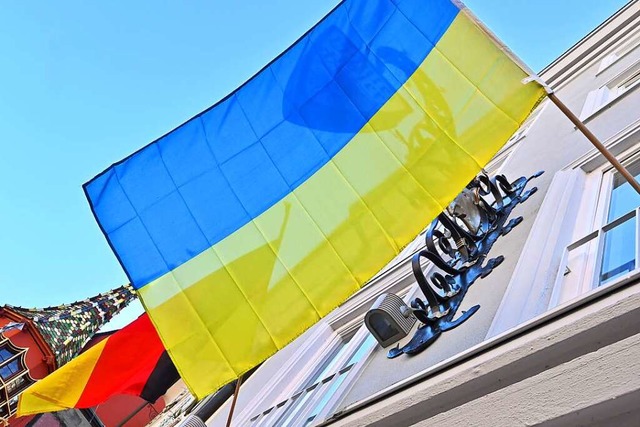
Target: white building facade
(556, 341)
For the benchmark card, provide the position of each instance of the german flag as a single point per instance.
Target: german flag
(131, 361)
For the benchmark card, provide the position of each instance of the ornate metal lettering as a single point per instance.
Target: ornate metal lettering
(457, 242)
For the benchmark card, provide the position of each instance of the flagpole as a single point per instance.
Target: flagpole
(595, 141)
(133, 414)
(233, 402)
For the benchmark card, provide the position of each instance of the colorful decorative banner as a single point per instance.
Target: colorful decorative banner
(244, 226)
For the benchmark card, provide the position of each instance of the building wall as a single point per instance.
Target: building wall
(572, 370)
(36, 360)
(449, 380)
(111, 413)
(36, 357)
(550, 145)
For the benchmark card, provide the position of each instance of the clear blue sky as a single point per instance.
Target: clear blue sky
(84, 84)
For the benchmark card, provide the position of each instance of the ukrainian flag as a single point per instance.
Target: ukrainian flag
(244, 226)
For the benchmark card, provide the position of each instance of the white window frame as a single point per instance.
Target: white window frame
(396, 278)
(266, 417)
(407, 294)
(300, 384)
(574, 189)
(622, 49)
(589, 275)
(8, 396)
(612, 91)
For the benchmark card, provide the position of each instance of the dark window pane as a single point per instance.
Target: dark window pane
(5, 354)
(9, 370)
(15, 385)
(5, 372)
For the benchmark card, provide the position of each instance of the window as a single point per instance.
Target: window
(608, 254)
(629, 82)
(624, 47)
(303, 407)
(5, 354)
(619, 85)
(8, 370)
(15, 385)
(304, 383)
(319, 404)
(571, 253)
(14, 377)
(619, 251)
(9, 362)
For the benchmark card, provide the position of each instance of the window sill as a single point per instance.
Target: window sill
(628, 279)
(605, 107)
(617, 60)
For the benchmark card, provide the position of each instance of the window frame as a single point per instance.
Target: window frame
(313, 357)
(624, 47)
(357, 334)
(396, 277)
(8, 396)
(325, 383)
(16, 357)
(594, 237)
(574, 188)
(612, 91)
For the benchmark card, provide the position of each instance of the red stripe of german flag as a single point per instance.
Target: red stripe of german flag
(131, 361)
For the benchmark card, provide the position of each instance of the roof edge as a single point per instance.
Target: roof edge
(581, 51)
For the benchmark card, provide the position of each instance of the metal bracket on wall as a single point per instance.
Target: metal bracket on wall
(457, 242)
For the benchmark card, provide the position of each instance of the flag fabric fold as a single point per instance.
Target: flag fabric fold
(247, 224)
(131, 361)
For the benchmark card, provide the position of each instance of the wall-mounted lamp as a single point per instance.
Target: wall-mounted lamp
(389, 319)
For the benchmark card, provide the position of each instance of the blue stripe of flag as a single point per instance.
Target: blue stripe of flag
(204, 180)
